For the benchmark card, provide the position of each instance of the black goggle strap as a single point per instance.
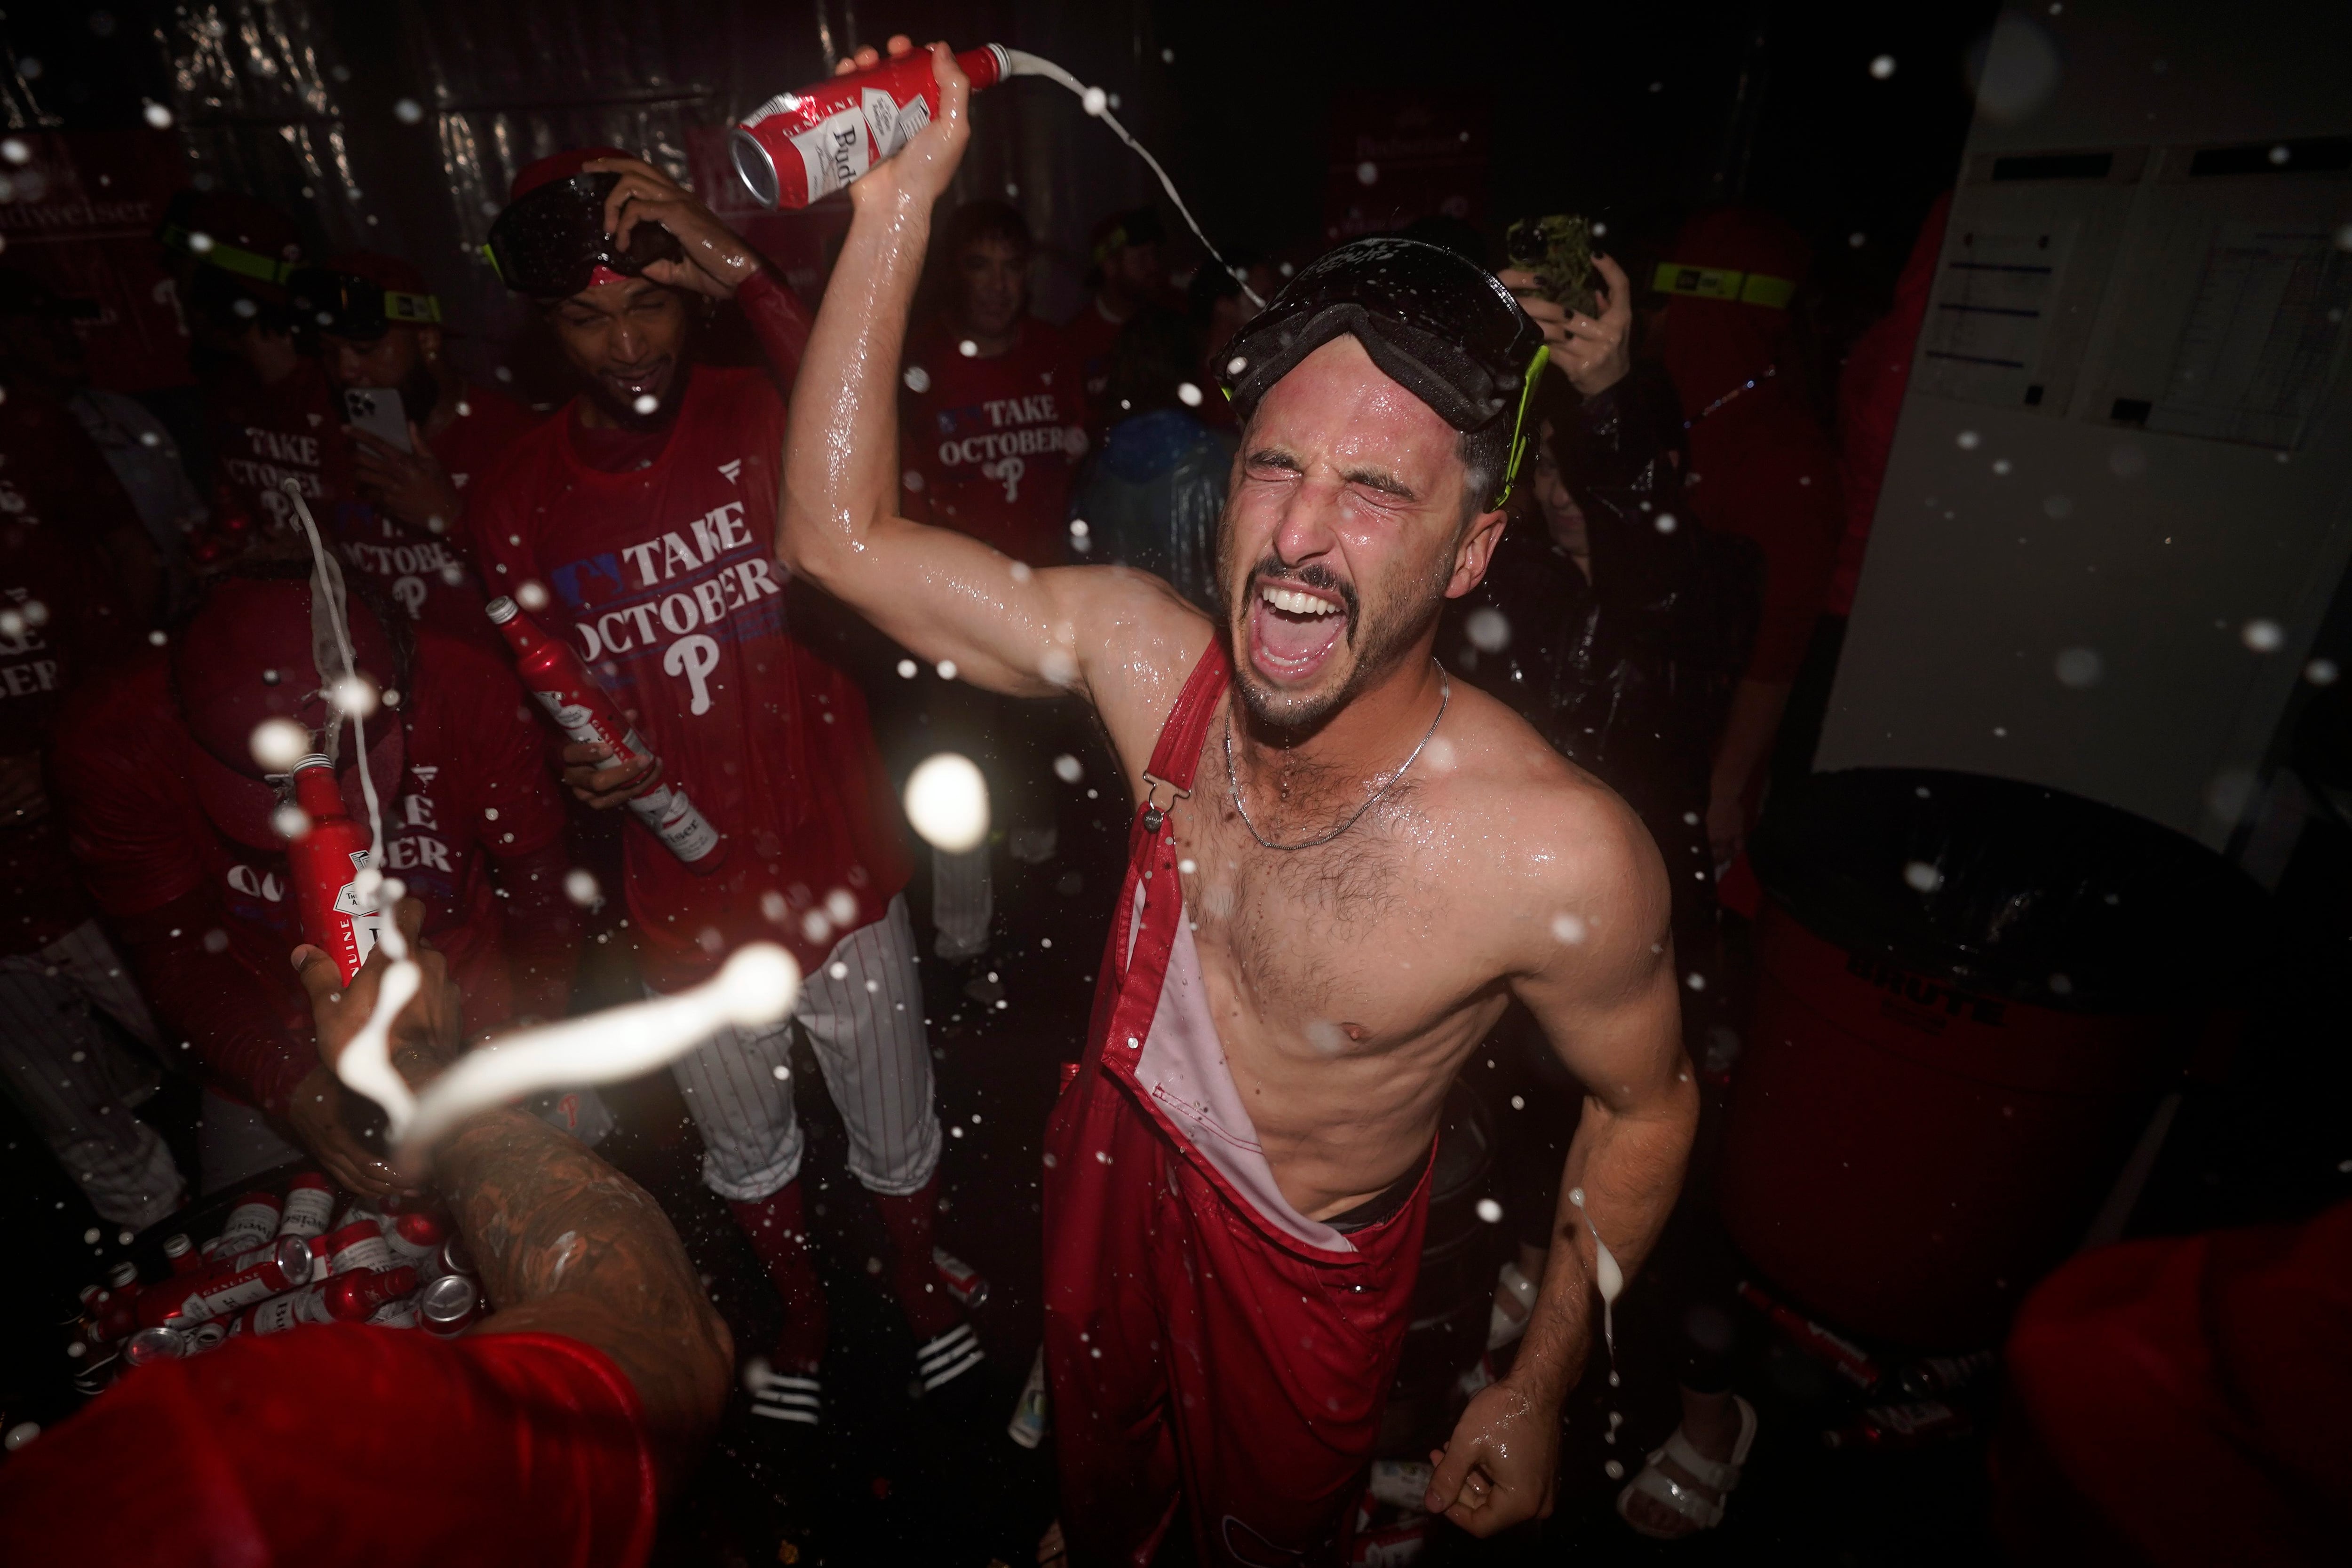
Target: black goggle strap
(227, 258)
(1519, 435)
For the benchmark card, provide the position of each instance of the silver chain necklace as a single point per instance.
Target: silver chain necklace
(1444, 697)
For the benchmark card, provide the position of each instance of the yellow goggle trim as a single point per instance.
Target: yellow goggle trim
(1725, 285)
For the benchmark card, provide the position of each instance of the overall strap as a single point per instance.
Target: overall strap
(1177, 755)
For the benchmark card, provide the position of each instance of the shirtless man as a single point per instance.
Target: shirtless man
(1341, 874)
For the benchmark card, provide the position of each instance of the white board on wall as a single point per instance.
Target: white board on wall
(2120, 497)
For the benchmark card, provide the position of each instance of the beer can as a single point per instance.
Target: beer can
(309, 1204)
(253, 1222)
(448, 1304)
(800, 147)
(414, 1239)
(456, 1259)
(153, 1344)
(219, 1295)
(359, 1245)
(963, 1281)
(205, 1336)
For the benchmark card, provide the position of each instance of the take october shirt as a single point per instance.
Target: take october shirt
(664, 578)
(992, 444)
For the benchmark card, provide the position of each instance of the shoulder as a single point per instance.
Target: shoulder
(1135, 640)
(1558, 850)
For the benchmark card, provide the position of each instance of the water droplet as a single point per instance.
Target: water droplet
(1922, 876)
(1488, 628)
(2079, 668)
(1490, 1211)
(1567, 928)
(2263, 636)
(278, 743)
(580, 886)
(1969, 440)
(1883, 67)
(1068, 768)
(1094, 100)
(645, 404)
(1188, 394)
(157, 116)
(408, 111)
(2321, 672)
(947, 801)
(1368, 172)
(918, 379)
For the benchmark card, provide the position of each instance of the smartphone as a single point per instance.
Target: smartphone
(377, 411)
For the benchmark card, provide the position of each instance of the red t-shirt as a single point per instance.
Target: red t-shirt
(264, 435)
(665, 578)
(203, 905)
(346, 1444)
(995, 442)
(432, 576)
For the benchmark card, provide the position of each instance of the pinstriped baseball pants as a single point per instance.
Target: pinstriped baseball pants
(77, 1083)
(865, 1022)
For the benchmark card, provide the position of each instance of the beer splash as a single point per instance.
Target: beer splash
(1020, 63)
(756, 987)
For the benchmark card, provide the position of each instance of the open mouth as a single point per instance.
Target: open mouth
(652, 381)
(1293, 629)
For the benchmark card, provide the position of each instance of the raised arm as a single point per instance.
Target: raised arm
(941, 594)
(1600, 977)
(567, 1245)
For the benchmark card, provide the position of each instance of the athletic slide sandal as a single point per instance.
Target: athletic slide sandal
(1656, 1483)
(789, 1396)
(1501, 1327)
(949, 1356)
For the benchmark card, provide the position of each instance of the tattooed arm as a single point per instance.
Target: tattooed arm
(567, 1245)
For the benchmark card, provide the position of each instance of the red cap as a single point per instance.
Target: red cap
(559, 166)
(388, 272)
(1713, 345)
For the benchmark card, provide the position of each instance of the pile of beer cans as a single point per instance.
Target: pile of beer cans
(279, 1260)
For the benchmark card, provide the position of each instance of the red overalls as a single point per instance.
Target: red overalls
(1196, 1348)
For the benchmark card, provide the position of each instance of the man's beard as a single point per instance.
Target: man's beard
(1377, 641)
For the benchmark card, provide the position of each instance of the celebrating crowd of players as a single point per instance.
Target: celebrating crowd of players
(149, 628)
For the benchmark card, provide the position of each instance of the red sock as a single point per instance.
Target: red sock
(929, 1310)
(780, 1235)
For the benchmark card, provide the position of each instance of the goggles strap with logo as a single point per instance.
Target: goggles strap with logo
(1726, 285)
(411, 309)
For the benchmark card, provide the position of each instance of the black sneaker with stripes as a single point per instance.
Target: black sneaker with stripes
(941, 1360)
(797, 1398)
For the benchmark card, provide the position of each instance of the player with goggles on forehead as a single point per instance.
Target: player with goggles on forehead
(1342, 872)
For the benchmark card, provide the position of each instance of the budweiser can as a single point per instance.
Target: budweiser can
(309, 1204)
(118, 1307)
(221, 1294)
(584, 711)
(253, 1222)
(205, 1336)
(153, 1344)
(799, 147)
(414, 1239)
(181, 1256)
(357, 1210)
(326, 861)
(1850, 1359)
(448, 1304)
(345, 1299)
(456, 1259)
(359, 1245)
(963, 1281)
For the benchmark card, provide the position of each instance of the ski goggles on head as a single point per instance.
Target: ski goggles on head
(357, 308)
(1726, 284)
(551, 243)
(1436, 323)
(229, 258)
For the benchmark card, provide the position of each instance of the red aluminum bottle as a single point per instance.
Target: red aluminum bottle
(118, 1312)
(448, 1304)
(182, 1256)
(253, 1222)
(414, 1239)
(309, 1202)
(345, 1299)
(326, 861)
(1901, 1427)
(1851, 1360)
(799, 147)
(358, 1246)
(220, 1295)
(584, 711)
(965, 1283)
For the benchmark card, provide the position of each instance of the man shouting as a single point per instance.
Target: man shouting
(1342, 873)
